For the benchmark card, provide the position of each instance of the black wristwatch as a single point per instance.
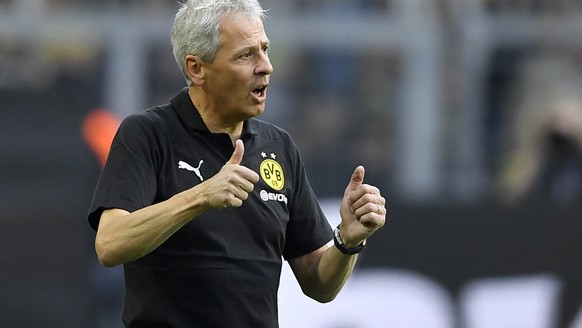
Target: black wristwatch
(339, 243)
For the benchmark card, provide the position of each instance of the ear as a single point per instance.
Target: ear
(195, 69)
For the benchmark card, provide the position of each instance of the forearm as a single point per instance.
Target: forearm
(124, 237)
(334, 270)
(326, 274)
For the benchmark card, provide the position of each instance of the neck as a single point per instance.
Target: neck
(214, 122)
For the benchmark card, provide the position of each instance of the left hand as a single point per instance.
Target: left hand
(363, 210)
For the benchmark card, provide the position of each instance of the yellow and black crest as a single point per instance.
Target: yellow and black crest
(272, 173)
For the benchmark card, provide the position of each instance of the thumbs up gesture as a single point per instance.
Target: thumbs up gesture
(362, 210)
(232, 184)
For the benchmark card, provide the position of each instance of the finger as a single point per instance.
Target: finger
(235, 197)
(234, 202)
(372, 221)
(237, 155)
(247, 186)
(250, 176)
(357, 178)
(370, 208)
(366, 194)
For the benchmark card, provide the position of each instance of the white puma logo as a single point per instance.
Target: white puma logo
(186, 166)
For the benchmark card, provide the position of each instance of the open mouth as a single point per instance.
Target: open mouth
(259, 92)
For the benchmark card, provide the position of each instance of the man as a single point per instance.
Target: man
(200, 201)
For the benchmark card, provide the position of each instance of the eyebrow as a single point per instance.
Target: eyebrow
(263, 43)
(253, 46)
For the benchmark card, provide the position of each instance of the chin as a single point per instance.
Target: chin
(249, 113)
(257, 111)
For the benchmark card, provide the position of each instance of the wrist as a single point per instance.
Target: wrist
(347, 248)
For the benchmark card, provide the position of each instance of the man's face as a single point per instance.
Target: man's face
(236, 82)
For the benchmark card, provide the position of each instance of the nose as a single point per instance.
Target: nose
(264, 66)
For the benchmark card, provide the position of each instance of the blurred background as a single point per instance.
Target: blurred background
(466, 113)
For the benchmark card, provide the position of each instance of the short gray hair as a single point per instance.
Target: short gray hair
(195, 29)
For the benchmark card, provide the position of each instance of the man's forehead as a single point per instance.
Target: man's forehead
(242, 29)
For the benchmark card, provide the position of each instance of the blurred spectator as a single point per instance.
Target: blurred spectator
(99, 128)
(342, 113)
(534, 6)
(163, 76)
(143, 6)
(321, 129)
(335, 7)
(545, 165)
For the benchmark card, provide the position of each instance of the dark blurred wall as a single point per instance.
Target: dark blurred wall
(46, 176)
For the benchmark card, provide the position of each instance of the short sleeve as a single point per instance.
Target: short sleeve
(308, 228)
(128, 180)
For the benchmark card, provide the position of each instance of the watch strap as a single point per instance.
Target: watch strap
(339, 243)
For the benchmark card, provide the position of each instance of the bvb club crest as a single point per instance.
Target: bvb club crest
(272, 173)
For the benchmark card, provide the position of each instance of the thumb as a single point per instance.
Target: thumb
(357, 178)
(237, 155)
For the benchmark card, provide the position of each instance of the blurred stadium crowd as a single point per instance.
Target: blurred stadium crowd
(444, 102)
(427, 94)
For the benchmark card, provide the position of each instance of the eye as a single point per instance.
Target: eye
(246, 55)
(266, 49)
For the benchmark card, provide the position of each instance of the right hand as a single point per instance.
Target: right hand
(232, 184)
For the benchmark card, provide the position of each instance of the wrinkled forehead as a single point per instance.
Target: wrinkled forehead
(241, 29)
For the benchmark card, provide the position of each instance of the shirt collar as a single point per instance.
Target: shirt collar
(191, 118)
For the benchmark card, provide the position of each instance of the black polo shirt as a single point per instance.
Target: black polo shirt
(222, 269)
